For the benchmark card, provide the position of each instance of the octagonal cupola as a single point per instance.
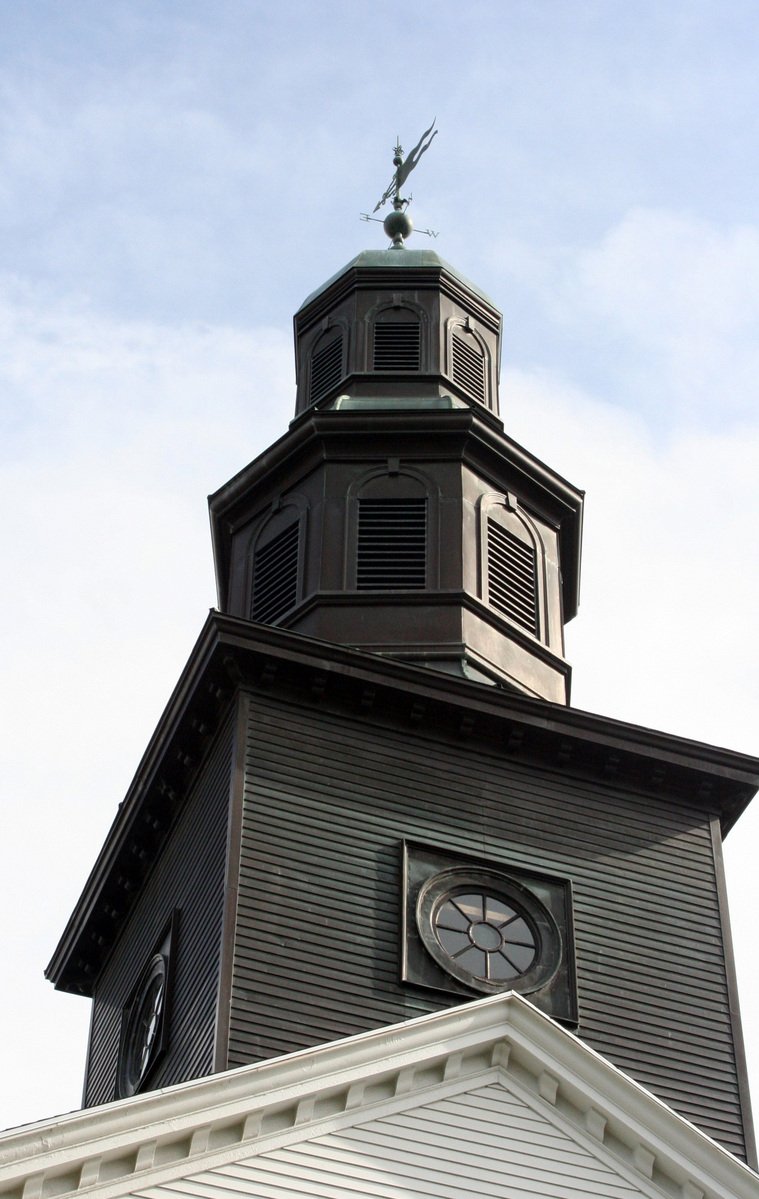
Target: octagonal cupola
(397, 328)
(395, 515)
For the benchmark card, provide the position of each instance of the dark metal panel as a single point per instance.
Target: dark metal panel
(329, 798)
(188, 876)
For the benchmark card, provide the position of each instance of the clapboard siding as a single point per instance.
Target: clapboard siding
(487, 1143)
(188, 875)
(328, 800)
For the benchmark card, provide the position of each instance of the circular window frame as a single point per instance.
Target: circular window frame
(446, 884)
(132, 1072)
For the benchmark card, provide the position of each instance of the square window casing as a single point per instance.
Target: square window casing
(428, 870)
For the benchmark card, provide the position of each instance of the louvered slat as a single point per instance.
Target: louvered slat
(396, 346)
(326, 368)
(512, 577)
(275, 577)
(468, 366)
(392, 545)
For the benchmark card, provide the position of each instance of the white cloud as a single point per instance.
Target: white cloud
(686, 295)
(660, 275)
(663, 311)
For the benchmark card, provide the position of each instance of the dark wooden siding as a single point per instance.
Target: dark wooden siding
(189, 875)
(327, 802)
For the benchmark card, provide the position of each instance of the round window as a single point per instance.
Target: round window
(141, 1039)
(487, 930)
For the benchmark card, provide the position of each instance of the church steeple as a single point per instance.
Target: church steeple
(323, 838)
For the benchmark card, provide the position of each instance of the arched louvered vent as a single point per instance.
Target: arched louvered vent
(275, 576)
(391, 554)
(326, 368)
(397, 346)
(512, 576)
(468, 364)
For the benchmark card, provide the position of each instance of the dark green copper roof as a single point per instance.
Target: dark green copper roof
(397, 257)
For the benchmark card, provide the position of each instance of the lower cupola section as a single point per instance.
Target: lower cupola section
(425, 536)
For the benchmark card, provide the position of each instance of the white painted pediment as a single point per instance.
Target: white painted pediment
(481, 1142)
(489, 1098)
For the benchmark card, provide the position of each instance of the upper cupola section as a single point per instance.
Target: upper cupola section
(397, 328)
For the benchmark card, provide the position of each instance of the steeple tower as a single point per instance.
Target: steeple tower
(396, 516)
(368, 798)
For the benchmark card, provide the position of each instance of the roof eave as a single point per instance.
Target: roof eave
(500, 1038)
(231, 651)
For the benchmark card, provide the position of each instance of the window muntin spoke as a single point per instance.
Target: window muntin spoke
(451, 916)
(498, 912)
(485, 935)
(452, 941)
(470, 905)
(501, 969)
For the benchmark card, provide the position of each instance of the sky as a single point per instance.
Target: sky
(174, 179)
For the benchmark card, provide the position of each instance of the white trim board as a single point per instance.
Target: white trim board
(152, 1139)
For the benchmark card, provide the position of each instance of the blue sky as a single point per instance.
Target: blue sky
(175, 178)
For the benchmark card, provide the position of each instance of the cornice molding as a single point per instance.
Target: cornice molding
(406, 273)
(232, 653)
(465, 435)
(110, 1151)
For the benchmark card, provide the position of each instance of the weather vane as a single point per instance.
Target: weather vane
(398, 224)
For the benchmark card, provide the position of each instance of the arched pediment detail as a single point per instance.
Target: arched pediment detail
(392, 478)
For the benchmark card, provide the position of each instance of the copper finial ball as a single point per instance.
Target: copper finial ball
(398, 225)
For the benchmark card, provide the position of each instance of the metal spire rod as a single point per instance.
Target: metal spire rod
(364, 216)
